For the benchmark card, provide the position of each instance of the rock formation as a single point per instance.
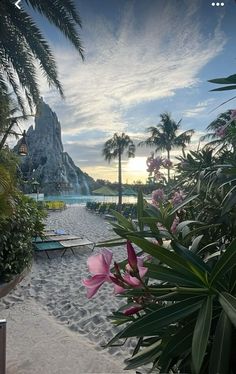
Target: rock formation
(46, 162)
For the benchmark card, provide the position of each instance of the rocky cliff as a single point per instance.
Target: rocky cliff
(46, 162)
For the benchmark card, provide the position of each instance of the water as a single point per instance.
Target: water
(82, 199)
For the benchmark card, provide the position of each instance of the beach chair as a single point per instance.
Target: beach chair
(47, 245)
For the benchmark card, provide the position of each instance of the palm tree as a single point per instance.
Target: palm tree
(164, 136)
(23, 47)
(114, 148)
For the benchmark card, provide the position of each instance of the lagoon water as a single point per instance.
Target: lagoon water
(82, 199)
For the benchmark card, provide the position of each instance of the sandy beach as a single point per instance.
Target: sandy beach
(51, 325)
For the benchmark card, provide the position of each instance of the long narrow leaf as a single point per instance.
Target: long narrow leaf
(195, 244)
(183, 224)
(171, 259)
(177, 344)
(124, 222)
(225, 263)
(221, 348)
(201, 334)
(228, 303)
(144, 356)
(140, 208)
(171, 275)
(152, 323)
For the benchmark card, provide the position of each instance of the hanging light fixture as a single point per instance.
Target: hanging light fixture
(23, 149)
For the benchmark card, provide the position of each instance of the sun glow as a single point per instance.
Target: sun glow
(137, 164)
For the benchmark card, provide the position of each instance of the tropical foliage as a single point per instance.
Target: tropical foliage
(16, 232)
(228, 82)
(23, 47)
(179, 280)
(165, 137)
(114, 148)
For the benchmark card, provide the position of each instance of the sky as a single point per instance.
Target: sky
(142, 58)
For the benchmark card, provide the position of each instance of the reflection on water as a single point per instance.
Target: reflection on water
(82, 199)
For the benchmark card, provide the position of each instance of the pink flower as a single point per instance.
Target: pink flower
(153, 164)
(233, 114)
(132, 258)
(99, 266)
(132, 310)
(166, 163)
(221, 131)
(174, 225)
(157, 196)
(158, 175)
(129, 278)
(178, 197)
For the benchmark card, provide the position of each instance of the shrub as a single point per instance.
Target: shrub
(55, 205)
(16, 233)
(179, 302)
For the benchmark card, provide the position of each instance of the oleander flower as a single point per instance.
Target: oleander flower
(178, 197)
(221, 131)
(129, 278)
(233, 113)
(132, 257)
(157, 196)
(99, 266)
(174, 225)
(166, 163)
(135, 308)
(153, 164)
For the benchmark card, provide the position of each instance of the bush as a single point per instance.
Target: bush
(55, 205)
(179, 301)
(16, 233)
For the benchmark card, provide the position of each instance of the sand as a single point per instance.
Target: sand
(52, 326)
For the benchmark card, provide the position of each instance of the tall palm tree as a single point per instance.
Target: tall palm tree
(114, 148)
(164, 136)
(23, 47)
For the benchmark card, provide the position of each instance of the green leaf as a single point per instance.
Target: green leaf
(171, 259)
(140, 208)
(144, 356)
(228, 204)
(225, 88)
(228, 303)
(152, 323)
(171, 275)
(195, 243)
(178, 343)
(201, 334)
(124, 222)
(225, 263)
(228, 80)
(183, 224)
(179, 206)
(111, 243)
(195, 262)
(202, 228)
(221, 348)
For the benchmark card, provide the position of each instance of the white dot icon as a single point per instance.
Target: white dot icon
(217, 4)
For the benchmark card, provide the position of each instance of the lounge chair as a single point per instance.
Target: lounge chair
(63, 242)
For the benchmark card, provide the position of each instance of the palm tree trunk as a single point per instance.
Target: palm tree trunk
(168, 170)
(6, 134)
(119, 182)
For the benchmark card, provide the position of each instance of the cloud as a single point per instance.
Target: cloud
(128, 64)
(131, 65)
(200, 109)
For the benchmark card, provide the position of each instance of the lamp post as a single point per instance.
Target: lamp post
(36, 186)
(23, 148)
